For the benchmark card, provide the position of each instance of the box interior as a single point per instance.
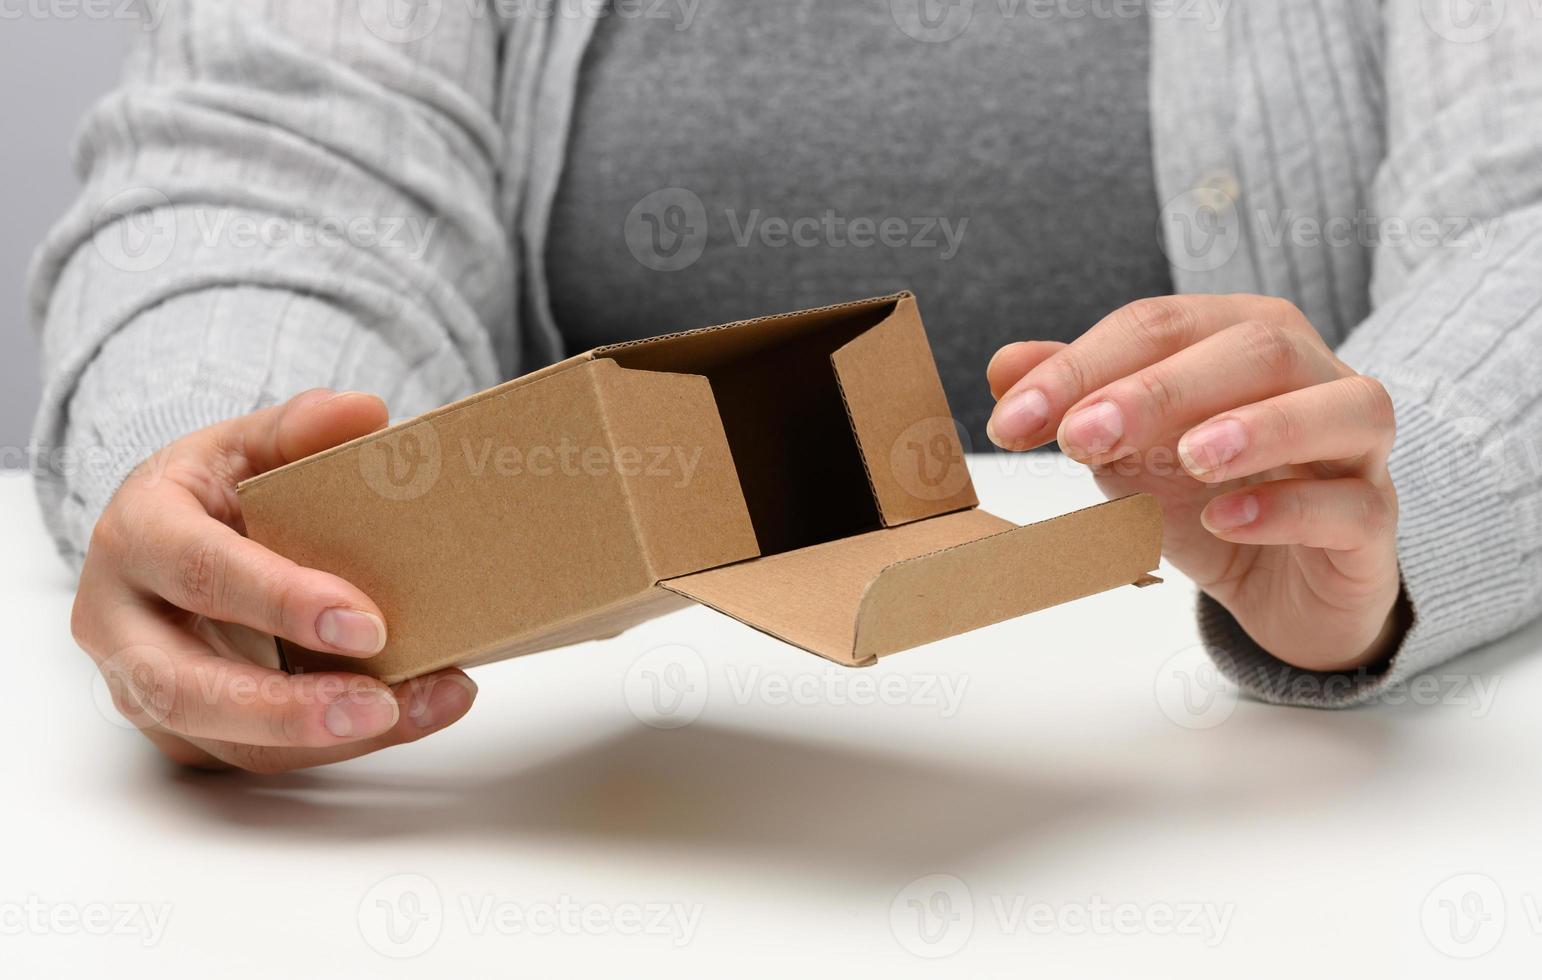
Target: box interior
(799, 465)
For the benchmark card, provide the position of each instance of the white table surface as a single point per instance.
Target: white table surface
(1032, 797)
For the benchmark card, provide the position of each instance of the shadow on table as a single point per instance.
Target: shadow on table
(827, 810)
(814, 808)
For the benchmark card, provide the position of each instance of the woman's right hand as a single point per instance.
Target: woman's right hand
(170, 581)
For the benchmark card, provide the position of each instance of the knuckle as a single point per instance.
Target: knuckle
(286, 724)
(1159, 322)
(1070, 375)
(1282, 426)
(82, 622)
(106, 537)
(1376, 513)
(175, 707)
(1377, 401)
(1271, 347)
(200, 573)
(1282, 310)
(1161, 397)
(279, 597)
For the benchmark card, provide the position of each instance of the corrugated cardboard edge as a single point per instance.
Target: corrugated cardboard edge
(1003, 576)
(817, 312)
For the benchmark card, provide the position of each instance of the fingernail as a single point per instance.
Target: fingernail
(361, 714)
(338, 395)
(1212, 446)
(1018, 418)
(1095, 429)
(1230, 513)
(351, 631)
(441, 702)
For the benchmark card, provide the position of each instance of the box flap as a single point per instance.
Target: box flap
(864, 597)
(899, 412)
(668, 448)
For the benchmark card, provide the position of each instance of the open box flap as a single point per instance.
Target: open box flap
(867, 596)
(911, 451)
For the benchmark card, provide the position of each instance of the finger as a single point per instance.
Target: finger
(430, 704)
(1337, 515)
(306, 424)
(173, 684)
(199, 564)
(1011, 362)
(1242, 364)
(1350, 419)
(1127, 340)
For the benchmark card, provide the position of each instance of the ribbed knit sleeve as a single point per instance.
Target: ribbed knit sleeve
(1456, 337)
(279, 196)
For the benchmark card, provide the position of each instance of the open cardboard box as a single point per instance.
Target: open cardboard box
(800, 473)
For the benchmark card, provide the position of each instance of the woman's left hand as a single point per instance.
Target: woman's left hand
(1268, 455)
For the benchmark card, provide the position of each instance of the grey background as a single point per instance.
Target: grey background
(52, 68)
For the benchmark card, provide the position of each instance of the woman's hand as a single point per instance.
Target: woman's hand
(1268, 455)
(168, 572)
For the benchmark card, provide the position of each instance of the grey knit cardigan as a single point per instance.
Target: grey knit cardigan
(355, 193)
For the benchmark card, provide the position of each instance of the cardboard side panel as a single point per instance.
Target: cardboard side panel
(1009, 574)
(450, 523)
(811, 597)
(900, 414)
(670, 451)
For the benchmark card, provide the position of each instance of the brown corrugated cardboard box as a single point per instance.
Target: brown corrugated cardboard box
(800, 473)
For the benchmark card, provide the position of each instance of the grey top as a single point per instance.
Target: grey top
(1013, 165)
(431, 146)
